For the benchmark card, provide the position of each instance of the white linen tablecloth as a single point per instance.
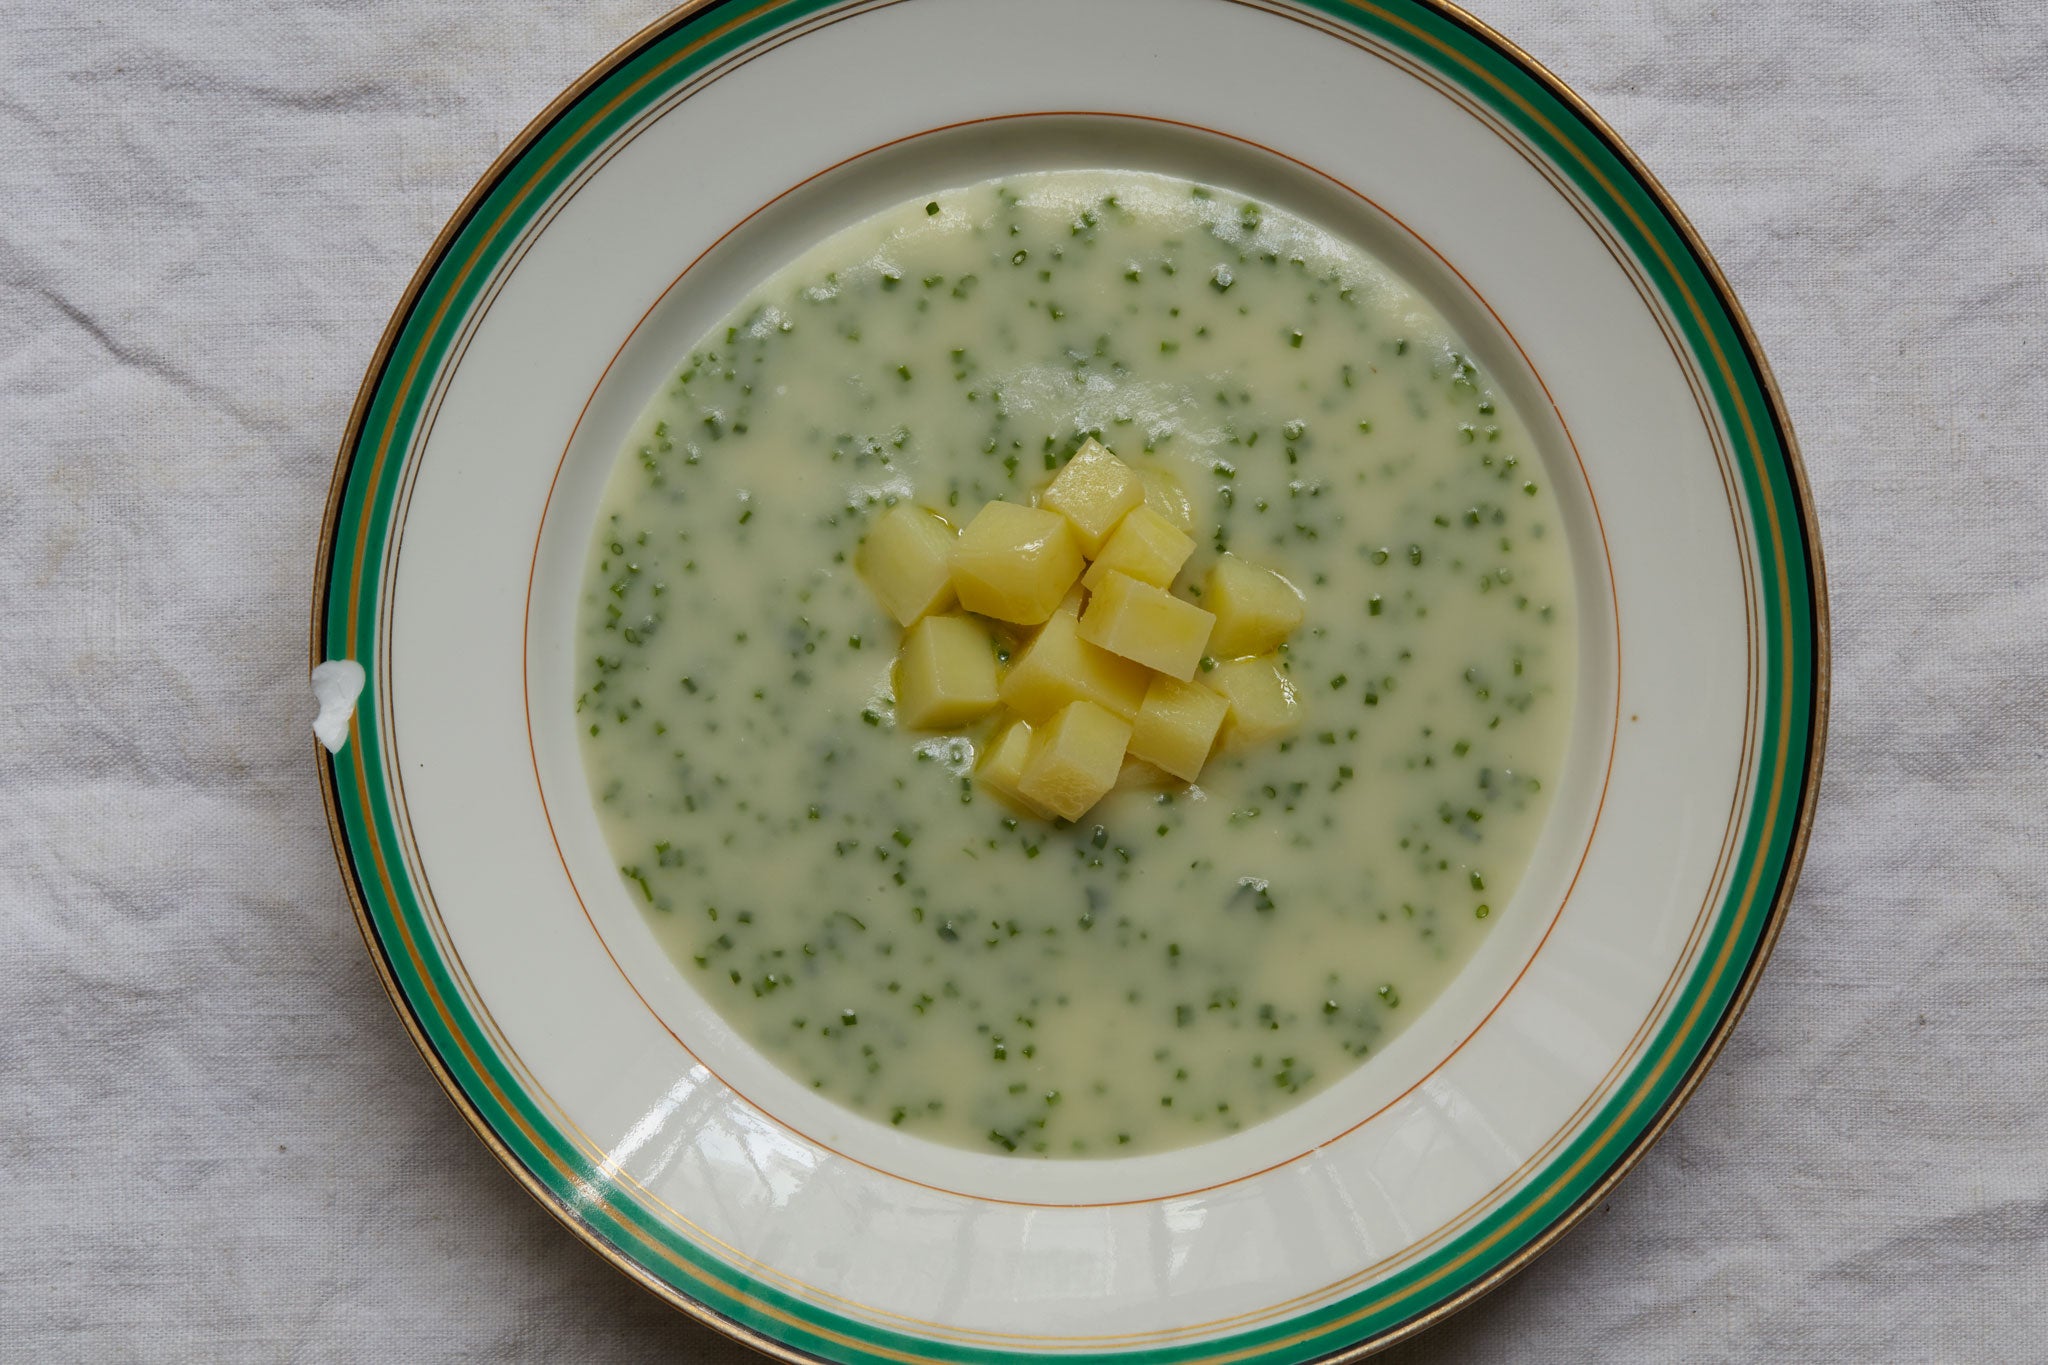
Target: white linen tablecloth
(215, 1139)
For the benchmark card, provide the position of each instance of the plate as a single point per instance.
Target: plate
(640, 206)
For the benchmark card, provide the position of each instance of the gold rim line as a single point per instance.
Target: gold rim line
(1795, 852)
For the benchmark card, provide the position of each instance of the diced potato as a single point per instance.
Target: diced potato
(945, 675)
(1075, 600)
(1015, 563)
(1002, 766)
(1167, 496)
(1139, 776)
(907, 561)
(1059, 667)
(1146, 546)
(1176, 726)
(1075, 759)
(1147, 625)
(1263, 704)
(1093, 492)
(1256, 609)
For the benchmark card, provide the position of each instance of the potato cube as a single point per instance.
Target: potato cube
(1256, 609)
(1015, 563)
(1093, 492)
(907, 560)
(1263, 704)
(1059, 667)
(945, 675)
(1002, 767)
(1139, 776)
(1146, 546)
(1168, 497)
(1176, 726)
(1075, 759)
(1147, 625)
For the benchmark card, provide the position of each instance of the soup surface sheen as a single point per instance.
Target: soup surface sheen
(1180, 964)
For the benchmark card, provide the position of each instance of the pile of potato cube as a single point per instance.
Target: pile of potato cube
(1111, 677)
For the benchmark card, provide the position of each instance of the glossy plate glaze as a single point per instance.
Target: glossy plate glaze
(641, 206)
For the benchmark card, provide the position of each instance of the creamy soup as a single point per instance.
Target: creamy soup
(1181, 962)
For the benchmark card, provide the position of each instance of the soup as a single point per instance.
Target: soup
(1185, 958)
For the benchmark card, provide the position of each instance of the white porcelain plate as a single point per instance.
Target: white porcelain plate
(643, 205)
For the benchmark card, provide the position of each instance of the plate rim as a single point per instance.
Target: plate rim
(1810, 773)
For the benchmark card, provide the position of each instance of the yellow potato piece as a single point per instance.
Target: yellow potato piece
(1002, 766)
(1139, 776)
(1147, 625)
(1168, 497)
(1059, 667)
(1176, 726)
(1075, 759)
(907, 561)
(945, 674)
(1015, 563)
(1093, 492)
(1263, 703)
(1146, 546)
(1256, 609)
